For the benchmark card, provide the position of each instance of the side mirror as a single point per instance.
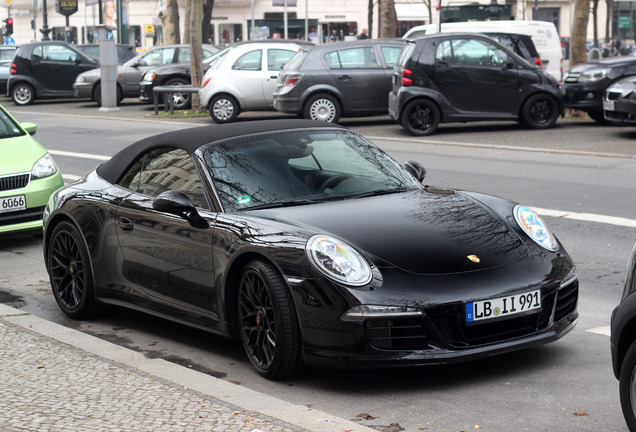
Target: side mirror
(178, 203)
(416, 170)
(30, 128)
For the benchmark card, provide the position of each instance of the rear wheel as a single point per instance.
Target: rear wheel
(224, 108)
(421, 117)
(267, 322)
(70, 272)
(180, 101)
(97, 95)
(23, 94)
(540, 112)
(627, 387)
(322, 107)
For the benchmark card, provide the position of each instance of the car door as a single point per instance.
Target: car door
(56, 66)
(247, 73)
(164, 256)
(134, 70)
(276, 59)
(476, 75)
(356, 72)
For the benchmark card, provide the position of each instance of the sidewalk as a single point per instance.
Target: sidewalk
(57, 379)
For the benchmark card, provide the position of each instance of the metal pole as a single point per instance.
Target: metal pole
(285, 19)
(307, 20)
(251, 35)
(45, 26)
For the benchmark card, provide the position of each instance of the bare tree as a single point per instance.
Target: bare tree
(196, 50)
(579, 32)
(608, 19)
(170, 23)
(388, 29)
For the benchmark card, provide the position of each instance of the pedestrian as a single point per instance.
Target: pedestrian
(364, 34)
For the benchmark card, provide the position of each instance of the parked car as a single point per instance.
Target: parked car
(124, 52)
(260, 231)
(173, 74)
(585, 83)
(45, 69)
(5, 73)
(340, 79)
(28, 177)
(243, 77)
(623, 344)
(455, 77)
(619, 102)
(7, 52)
(544, 35)
(88, 85)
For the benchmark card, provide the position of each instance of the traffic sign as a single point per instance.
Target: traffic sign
(9, 41)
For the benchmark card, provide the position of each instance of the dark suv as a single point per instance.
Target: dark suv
(456, 77)
(585, 83)
(340, 79)
(45, 70)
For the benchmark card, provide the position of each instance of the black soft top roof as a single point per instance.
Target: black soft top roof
(191, 139)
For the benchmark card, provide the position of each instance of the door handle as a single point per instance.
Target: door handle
(344, 77)
(273, 76)
(125, 224)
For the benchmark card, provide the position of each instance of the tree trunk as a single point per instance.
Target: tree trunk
(205, 24)
(388, 29)
(608, 19)
(170, 23)
(188, 21)
(196, 51)
(579, 32)
(595, 21)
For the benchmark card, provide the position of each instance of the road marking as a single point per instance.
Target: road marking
(605, 331)
(70, 177)
(79, 155)
(588, 217)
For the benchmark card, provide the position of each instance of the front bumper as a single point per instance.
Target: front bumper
(83, 90)
(624, 112)
(585, 97)
(145, 92)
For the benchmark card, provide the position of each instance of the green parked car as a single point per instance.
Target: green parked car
(28, 177)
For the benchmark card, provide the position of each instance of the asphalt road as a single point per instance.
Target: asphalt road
(579, 168)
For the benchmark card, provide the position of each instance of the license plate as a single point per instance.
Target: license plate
(608, 105)
(503, 307)
(12, 203)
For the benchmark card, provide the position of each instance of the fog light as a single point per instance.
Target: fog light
(590, 96)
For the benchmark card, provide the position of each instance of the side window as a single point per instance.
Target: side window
(59, 53)
(184, 55)
(277, 58)
(444, 52)
(164, 169)
(157, 57)
(390, 55)
(352, 58)
(478, 53)
(37, 53)
(250, 61)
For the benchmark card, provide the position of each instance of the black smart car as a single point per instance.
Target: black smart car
(469, 77)
(623, 344)
(586, 83)
(46, 70)
(341, 79)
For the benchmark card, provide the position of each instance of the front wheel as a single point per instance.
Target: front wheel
(23, 94)
(180, 101)
(627, 387)
(224, 108)
(70, 272)
(97, 95)
(322, 107)
(421, 117)
(267, 322)
(540, 112)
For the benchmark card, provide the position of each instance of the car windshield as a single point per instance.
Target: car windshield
(8, 127)
(301, 167)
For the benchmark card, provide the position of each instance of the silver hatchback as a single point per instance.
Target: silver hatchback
(243, 77)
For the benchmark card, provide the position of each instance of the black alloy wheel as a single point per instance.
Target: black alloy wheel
(421, 117)
(267, 322)
(540, 112)
(627, 387)
(180, 101)
(70, 272)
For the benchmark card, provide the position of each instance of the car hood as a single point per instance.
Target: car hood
(19, 154)
(604, 63)
(424, 232)
(95, 74)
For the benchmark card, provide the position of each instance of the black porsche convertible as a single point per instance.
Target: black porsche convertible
(311, 245)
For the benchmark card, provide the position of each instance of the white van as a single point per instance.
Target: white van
(544, 35)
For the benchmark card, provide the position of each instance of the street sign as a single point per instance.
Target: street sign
(9, 41)
(66, 7)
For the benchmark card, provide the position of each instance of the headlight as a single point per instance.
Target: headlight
(534, 226)
(80, 79)
(44, 167)
(363, 312)
(594, 75)
(338, 261)
(149, 76)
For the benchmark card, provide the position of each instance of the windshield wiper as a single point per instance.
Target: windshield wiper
(278, 204)
(377, 192)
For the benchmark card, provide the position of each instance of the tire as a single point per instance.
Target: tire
(224, 108)
(322, 107)
(97, 95)
(23, 94)
(70, 272)
(267, 322)
(181, 101)
(540, 112)
(421, 117)
(627, 387)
